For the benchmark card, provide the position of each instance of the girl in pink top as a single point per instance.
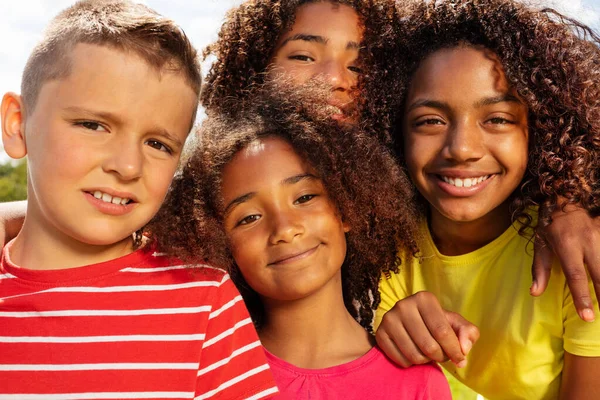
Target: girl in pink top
(305, 214)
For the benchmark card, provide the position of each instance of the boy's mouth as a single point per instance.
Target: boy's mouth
(107, 198)
(464, 182)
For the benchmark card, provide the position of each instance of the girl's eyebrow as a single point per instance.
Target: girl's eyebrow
(317, 39)
(287, 181)
(297, 178)
(237, 201)
(305, 37)
(486, 101)
(428, 103)
(507, 97)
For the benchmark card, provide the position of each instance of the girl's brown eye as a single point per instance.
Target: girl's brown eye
(305, 198)
(249, 219)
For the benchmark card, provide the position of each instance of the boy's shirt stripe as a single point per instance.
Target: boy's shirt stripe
(90, 313)
(119, 334)
(233, 381)
(96, 367)
(99, 395)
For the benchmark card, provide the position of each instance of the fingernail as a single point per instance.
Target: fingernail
(587, 314)
(462, 364)
(467, 347)
(533, 287)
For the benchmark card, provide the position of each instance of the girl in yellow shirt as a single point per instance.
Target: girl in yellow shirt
(500, 114)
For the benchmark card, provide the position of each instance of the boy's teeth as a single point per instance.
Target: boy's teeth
(464, 182)
(107, 198)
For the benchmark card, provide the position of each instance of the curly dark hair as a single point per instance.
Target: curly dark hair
(362, 178)
(247, 41)
(552, 61)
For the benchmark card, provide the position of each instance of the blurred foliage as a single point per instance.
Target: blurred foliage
(13, 181)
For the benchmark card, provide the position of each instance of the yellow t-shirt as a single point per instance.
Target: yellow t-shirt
(520, 351)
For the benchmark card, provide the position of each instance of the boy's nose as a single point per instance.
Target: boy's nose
(285, 227)
(125, 159)
(464, 143)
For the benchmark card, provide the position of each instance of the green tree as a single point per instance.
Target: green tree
(13, 181)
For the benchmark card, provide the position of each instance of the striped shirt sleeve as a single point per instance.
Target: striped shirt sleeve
(232, 364)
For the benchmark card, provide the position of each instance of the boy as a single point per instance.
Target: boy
(86, 311)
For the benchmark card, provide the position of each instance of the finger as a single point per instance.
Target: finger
(467, 333)
(389, 347)
(592, 260)
(540, 269)
(572, 261)
(439, 342)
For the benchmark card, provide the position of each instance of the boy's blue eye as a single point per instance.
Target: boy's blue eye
(155, 144)
(355, 69)
(249, 219)
(91, 125)
(304, 199)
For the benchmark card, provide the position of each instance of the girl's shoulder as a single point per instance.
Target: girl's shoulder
(425, 381)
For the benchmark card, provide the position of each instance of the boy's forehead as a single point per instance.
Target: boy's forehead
(108, 82)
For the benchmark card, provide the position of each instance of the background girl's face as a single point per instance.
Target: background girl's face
(323, 43)
(465, 134)
(286, 236)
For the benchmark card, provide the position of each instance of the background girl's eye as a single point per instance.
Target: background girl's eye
(249, 219)
(301, 57)
(305, 198)
(155, 144)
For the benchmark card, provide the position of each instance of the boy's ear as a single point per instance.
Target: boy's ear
(13, 125)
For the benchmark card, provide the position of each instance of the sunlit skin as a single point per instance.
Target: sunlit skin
(114, 125)
(323, 43)
(463, 123)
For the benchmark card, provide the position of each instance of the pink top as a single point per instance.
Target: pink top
(372, 376)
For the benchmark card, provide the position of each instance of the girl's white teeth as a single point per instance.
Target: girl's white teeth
(465, 182)
(107, 198)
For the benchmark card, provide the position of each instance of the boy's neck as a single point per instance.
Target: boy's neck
(39, 247)
(454, 238)
(315, 332)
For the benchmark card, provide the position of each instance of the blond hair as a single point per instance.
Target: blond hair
(120, 24)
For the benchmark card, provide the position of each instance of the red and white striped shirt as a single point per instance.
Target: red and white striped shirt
(139, 327)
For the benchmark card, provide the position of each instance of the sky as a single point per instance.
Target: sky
(23, 21)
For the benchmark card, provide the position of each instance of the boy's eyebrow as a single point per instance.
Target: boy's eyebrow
(99, 114)
(245, 197)
(317, 39)
(115, 119)
(507, 97)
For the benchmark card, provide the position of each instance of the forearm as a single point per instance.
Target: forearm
(12, 215)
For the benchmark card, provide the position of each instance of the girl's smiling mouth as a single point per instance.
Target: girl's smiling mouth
(293, 256)
(462, 186)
